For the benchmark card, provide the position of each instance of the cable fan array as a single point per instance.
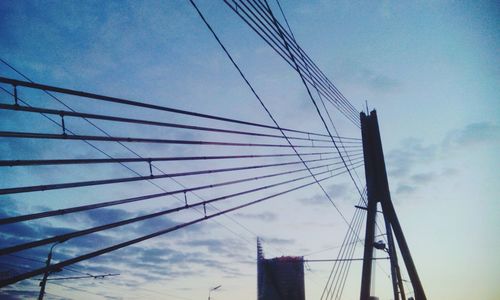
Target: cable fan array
(264, 166)
(203, 164)
(259, 17)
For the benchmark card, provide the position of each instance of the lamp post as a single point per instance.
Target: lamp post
(46, 275)
(213, 289)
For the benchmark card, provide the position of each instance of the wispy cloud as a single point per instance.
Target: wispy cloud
(148, 262)
(473, 134)
(412, 151)
(338, 191)
(264, 216)
(12, 294)
(423, 177)
(314, 200)
(407, 163)
(405, 189)
(371, 79)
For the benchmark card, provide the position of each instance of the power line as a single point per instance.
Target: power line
(82, 277)
(76, 289)
(340, 259)
(43, 262)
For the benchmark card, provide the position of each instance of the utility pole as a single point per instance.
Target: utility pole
(378, 192)
(43, 283)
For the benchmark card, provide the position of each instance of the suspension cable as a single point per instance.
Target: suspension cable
(19, 277)
(57, 186)
(74, 209)
(67, 236)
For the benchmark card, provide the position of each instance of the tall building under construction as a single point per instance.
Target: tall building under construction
(279, 278)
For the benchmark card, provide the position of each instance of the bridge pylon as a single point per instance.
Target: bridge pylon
(378, 192)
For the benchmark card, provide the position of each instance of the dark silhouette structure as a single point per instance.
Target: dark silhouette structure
(378, 192)
(280, 278)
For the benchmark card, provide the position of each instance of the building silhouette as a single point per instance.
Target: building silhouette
(279, 278)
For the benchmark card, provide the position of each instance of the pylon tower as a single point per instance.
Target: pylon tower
(378, 192)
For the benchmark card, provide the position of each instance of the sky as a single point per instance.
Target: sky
(429, 68)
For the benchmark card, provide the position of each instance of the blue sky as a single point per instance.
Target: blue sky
(430, 68)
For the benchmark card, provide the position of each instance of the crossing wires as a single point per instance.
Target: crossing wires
(235, 163)
(284, 175)
(274, 120)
